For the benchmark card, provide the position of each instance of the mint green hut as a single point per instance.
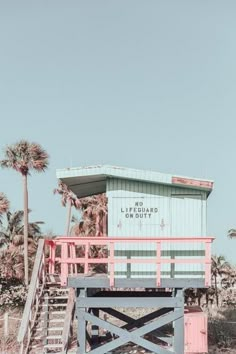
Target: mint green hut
(148, 204)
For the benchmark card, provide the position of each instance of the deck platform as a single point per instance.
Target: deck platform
(103, 281)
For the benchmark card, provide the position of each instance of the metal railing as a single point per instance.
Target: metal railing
(63, 253)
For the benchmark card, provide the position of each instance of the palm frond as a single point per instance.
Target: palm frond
(25, 156)
(67, 195)
(4, 204)
(232, 233)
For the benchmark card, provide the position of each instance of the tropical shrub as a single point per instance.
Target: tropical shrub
(13, 293)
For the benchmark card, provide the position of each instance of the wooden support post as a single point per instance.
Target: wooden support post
(179, 326)
(6, 324)
(95, 328)
(81, 331)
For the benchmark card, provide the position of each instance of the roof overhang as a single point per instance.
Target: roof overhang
(91, 180)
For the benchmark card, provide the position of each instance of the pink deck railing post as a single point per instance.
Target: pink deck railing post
(111, 262)
(64, 264)
(208, 263)
(86, 257)
(53, 257)
(52, 252)
(73, 255)
(158, 265)
(50, 258)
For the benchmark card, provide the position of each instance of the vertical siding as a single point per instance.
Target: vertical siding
(181, 212)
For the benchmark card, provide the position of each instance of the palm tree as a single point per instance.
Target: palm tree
(13, 229)
(67, 198)
(4, 205)
(12, 234)
(92, 223)
(24, 157)
(232, 233)
(219, 267)
(94, 215)
(229, 279)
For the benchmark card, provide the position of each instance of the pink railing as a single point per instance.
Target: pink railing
(65, 254)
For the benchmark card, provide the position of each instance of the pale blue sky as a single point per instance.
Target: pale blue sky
(144, 84)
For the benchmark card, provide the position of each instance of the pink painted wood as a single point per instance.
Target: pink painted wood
(208, 263)
(86, 258)
(64, 263)
(112, 261)
(73, 268)
(195, 333)
(51, 260)
(158, 264)
(65, 260)
(192, 182)
(53, 248)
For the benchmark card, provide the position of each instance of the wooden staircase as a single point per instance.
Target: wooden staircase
(48, 315)
(47, 334)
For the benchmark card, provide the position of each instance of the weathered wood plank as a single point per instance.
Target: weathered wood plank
(31, 292)
(97, 282)
(68, 318)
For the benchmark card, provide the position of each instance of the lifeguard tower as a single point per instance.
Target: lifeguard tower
(156, 243)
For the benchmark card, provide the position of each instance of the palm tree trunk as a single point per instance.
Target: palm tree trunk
(207, 298)
(26, 265)
(97, 225)
(104, 225)
(216, 290)
(68, 218)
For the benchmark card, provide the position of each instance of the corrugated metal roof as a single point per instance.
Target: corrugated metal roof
(92, 179)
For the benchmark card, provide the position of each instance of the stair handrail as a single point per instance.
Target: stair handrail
(38, 275)
(69, 316)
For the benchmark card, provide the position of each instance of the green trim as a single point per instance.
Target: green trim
(162, 273)
(167, 253)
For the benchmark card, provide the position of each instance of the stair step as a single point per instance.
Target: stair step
(49, 329)
(47, 346)
(51, 277)
(52, 346)
(36, 346)
(47, 337)
(52, 320)
(63, 297)
(53, 305)
(53, 312)
(56, 289)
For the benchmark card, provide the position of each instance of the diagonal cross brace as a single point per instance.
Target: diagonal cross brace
(132, 322)
(134, 336)
(163, 337)
(136, 323)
